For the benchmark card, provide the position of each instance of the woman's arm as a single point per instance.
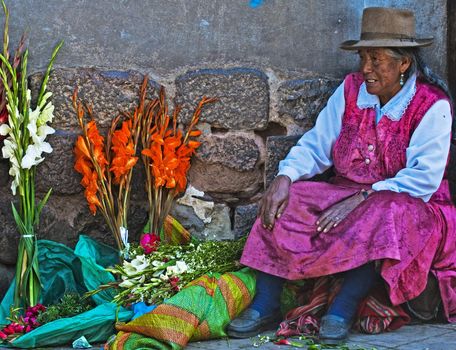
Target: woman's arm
(313, 153)
(427, 155)
(311, 156)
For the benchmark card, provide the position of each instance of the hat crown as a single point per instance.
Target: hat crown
(387, 22)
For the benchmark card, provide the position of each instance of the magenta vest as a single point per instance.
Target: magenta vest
(365, 152)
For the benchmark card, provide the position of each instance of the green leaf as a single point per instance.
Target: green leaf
(40, 206)
(48, 72)
(19, 222)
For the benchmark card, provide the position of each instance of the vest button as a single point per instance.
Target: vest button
(367, 161)
(370, 147)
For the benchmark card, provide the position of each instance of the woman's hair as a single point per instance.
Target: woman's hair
(420, 67)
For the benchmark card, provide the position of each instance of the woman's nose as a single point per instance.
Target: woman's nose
(366, 66)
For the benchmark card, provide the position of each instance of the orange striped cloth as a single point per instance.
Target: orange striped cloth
(375, 314)
(200, 311)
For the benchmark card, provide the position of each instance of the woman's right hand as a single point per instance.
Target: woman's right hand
(274, 201)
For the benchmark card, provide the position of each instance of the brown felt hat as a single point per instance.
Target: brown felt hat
(386, 27)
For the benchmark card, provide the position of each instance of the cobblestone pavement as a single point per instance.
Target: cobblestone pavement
(417, 337)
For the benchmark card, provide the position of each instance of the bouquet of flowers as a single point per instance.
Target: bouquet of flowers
(25, 132)
(167, 151)
(156, 273)
(104, 166)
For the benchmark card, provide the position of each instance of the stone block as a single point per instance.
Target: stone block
(218, 179)
(277, 147)
(235, 151)
(57, 170)
(107, 91)
(7, 272)
(243, 97)
(244, 218)
(220, 226)
(303, 99)
(4, 169)
(9, 238)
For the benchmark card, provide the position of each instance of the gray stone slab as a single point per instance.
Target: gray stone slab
(242, 93)
(303, 99)
(402, 337)
(445, 341)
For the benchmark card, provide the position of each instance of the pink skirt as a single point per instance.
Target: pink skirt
(409, 237)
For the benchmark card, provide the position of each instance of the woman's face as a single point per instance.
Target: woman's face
(382, 72)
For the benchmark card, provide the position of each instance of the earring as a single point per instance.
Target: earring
(401, 81)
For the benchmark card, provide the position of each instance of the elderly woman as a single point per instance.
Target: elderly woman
(387, 214)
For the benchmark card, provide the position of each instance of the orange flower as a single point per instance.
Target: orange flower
(124, 151)
(84, 166)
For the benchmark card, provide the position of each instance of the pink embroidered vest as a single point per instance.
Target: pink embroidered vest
(366, 152)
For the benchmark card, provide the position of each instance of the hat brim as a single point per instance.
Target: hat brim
(363, 44)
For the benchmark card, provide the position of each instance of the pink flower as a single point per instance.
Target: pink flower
(149, 242)
(3, 336)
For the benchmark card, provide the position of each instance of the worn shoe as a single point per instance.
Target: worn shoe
(425, 307)
(333, 330)
(250, 323)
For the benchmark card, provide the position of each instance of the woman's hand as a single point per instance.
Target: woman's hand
(274, 201)
(339, 211)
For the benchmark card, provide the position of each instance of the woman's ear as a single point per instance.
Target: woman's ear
(406, 62)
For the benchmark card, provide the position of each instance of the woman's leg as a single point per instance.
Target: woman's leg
(355, 287)
(264, 309)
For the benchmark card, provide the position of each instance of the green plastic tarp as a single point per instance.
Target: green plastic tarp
(65, 270)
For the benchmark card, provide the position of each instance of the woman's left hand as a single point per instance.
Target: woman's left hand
(332, 216)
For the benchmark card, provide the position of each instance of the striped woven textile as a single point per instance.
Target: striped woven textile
(375, 314)
(200, 311)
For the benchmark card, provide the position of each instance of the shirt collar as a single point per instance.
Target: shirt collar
(394, 108)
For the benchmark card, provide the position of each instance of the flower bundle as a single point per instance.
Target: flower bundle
(166, 155)
(168, 268)
(25, 132)
(105, 165)
(21, 324)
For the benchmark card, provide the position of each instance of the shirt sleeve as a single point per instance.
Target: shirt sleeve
(427, 155)
(313, 153)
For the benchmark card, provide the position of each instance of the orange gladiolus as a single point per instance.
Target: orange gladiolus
(124, 151)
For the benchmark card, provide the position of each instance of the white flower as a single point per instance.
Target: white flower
(164, 277)
(182, 266)
(177, 269)
(157, 263)
(33, 154)
(5, 129)
(8, 150)
(126, 284)
(138, 264)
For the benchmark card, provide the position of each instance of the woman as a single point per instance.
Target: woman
(387, 214)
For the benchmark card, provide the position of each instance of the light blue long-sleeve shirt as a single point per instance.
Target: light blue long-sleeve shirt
(426, 154)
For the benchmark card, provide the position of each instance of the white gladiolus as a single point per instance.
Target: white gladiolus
(137, 265)
(177, 269)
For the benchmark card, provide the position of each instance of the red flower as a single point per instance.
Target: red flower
(174, 283)
(149, 242)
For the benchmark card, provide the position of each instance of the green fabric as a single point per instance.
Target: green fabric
(200, 311)
(64, 270)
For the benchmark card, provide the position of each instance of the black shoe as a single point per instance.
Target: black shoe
(333, 330)
(250, 323)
